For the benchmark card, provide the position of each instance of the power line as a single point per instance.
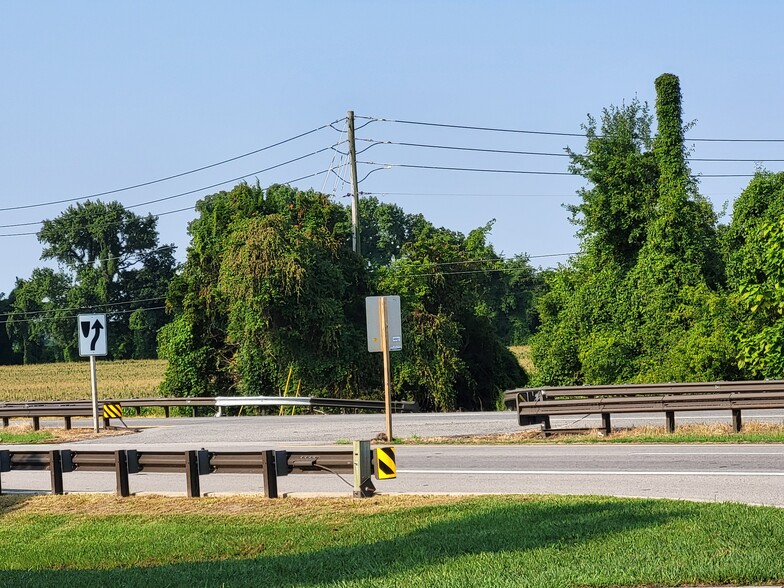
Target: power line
(170, 177)
(71, 317)
(465, 169)
(515, 171)
(188, 192)
(546, 133)
(81, 308)
(548, 154)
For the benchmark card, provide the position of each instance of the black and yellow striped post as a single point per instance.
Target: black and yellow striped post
(385, 463)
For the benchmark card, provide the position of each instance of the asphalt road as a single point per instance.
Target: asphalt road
(740, 473)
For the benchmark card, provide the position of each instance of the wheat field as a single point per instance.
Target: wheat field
(71, 381)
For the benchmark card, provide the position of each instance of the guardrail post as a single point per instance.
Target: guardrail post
(6, 422)
(121, 473)
(192, 474)
(36, 423)
(67, 423)
(363, 486)
(670, 415)
(5, 464)
(56, 470)
(737, 422)
(270, 474)
(606, 423)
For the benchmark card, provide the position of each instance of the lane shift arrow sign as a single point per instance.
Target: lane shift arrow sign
(97, 326)
(92, 330)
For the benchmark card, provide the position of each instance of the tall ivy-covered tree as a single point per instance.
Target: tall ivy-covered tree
(644, 299)
(117, 266)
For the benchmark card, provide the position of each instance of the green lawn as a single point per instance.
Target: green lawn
(404, 541)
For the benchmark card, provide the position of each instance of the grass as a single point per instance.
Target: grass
(25, 435)
(71, 381)
(403, 541)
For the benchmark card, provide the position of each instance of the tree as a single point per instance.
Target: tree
(452, 356)
(7, 354)
(270, 286)
(643, 300)
(115, 259)
(620, 166)
(38, 324)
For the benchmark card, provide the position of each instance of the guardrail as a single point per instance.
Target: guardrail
(537, 405)
(268, 464)
(83, 408)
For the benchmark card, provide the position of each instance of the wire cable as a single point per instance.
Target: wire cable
(171, 177)
(546, 133)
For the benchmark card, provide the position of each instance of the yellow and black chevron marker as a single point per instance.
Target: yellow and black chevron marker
(112, 411)
(385, 461)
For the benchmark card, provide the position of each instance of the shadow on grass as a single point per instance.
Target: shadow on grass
(12, 502)
(497, 527)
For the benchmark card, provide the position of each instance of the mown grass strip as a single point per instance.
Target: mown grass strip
(403, 541)
(25, 436)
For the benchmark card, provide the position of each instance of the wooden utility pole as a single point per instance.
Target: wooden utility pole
(384, 335)
(352, 152)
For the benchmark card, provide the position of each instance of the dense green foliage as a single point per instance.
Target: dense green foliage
(111, 262)
(487, 541)
(271, 290)
(646, 299)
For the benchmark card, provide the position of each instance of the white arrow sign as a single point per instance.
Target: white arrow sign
(92, 334)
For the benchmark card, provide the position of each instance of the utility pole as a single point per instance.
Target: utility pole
(352, 151)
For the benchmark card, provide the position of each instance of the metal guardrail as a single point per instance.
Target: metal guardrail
(537, 405)
(83, 408)
(268, 464)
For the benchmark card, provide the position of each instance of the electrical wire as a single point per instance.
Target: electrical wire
(516, 171)
(171, 177)
(550, 154)
(188, 192)
(80, 308)
(71, 317)
(546, 133)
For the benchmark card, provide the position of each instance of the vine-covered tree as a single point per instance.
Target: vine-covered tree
(643, 300)
(271, 287)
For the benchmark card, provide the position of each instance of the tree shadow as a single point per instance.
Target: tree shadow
(513, 527)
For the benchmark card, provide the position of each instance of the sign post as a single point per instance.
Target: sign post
(91, 330)
(384, 335)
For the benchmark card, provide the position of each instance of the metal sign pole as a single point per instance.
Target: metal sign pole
(382, 316)
(94, 385)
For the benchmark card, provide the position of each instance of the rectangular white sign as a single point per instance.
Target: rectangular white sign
(91, 331)
(394, 327)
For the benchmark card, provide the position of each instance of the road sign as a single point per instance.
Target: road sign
(92, 334)
(385, 459)
(394, 328)
(112, 411)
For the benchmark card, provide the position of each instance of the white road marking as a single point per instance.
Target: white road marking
(675, 453)
(583, 473)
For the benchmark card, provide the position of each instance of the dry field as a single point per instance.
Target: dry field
(71, 381)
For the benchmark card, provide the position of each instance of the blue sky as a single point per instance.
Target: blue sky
(97, 96)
